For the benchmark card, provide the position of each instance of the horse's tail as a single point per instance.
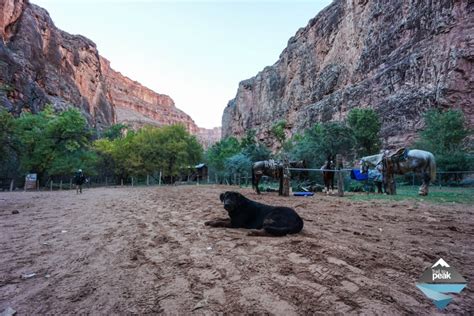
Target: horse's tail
(253, 179)
(432, 168)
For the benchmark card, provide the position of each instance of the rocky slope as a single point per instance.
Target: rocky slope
(41, 64)
(137, 105)
(397, 57)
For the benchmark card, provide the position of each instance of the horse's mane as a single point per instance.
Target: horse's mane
(373, 159)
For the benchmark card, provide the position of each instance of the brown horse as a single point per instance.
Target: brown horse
(300, 174)
(269, 168)
(328, 173)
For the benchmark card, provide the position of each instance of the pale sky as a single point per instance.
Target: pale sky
(196, 52)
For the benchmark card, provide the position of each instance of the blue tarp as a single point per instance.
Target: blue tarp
(357, 175)
(303, 193)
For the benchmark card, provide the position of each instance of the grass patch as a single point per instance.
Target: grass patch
(436, 195)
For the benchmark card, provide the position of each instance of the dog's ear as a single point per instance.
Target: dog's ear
(221, 197)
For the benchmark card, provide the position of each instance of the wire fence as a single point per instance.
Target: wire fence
(301, 179)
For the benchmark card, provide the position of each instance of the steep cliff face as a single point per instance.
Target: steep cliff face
(41, 64)
(398, 57)
(137, 105)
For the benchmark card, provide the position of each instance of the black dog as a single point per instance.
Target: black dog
(244, 213)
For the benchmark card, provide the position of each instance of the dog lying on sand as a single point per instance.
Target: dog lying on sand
(264, 219)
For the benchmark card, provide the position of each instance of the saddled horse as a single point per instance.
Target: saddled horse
(269, 168)
(415, 160)
(374, 163)
(328, 173)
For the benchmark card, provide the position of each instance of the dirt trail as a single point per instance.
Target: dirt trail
(146, 250)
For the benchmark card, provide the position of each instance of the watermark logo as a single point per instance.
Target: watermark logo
(438, 280)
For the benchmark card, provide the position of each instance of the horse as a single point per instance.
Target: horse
(415, 160)
(300, 164)
(269, 168)
(328, 174)
(373, 162)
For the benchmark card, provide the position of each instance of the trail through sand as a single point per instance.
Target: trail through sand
(146, 250)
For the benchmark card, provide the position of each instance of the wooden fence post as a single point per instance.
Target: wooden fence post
(121, 182)
(61, 184)
(340, 177)
(147, 179)
(51, 186)
(286, 182)
(132, 181)
(11, 185)
(159, 180)
(388, 176)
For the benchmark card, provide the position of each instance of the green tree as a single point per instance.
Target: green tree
(254, 149)
(365, 125)
(170, 149)
(278, 130)
(238, 164)
(218, 153)
(321, 140)
(9, 162)
(446, 136)
(115, 131)
(54, 144)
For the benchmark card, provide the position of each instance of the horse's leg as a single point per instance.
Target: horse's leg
(257, 180)
(379, 187)
(425, 183)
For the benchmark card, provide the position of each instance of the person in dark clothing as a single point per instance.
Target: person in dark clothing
(79, 180)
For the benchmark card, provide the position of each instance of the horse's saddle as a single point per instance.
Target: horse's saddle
(397, 155)
(272, 164)
(393, 158)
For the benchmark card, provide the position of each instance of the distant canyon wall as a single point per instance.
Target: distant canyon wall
(137, 105)
(208, 137)
(40, 64)
(399, 58)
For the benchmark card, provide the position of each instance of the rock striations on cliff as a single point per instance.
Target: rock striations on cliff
(398, 57)
(40, 64)
(137, 105)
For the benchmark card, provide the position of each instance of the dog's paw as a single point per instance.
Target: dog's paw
(208, 223)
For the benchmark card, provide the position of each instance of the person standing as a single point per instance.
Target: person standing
(79, 180)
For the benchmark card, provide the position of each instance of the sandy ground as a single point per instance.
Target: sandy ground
(146, 251)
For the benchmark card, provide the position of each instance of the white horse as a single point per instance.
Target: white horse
(374, 163)
(415, 160)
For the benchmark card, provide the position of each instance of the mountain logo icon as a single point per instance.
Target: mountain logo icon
(438, 280)
(440, 262)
